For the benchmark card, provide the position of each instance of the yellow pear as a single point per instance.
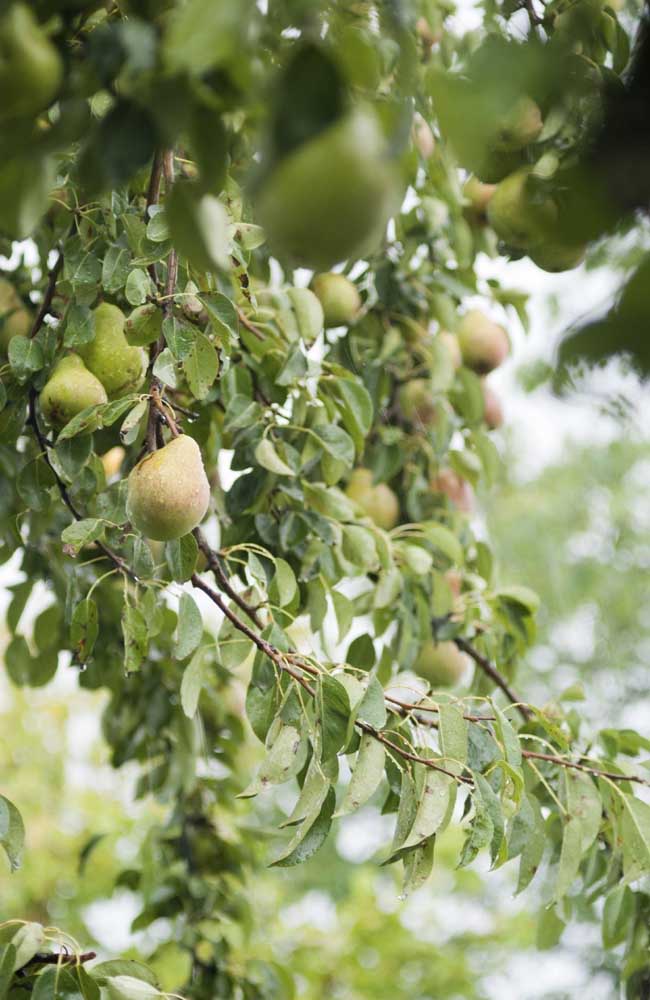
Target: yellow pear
(519, 215)
(168, 490)
(31, 69)
(330, 199)
(484, 344)
(339, 298)
(69, 390)
(440, 663)
(377, 501)
(15, 318)
(118, 366)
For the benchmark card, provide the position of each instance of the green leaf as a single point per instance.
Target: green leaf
(27, 670)
(27, 940)
(201, 366)
(115, 268)
(418, 865)
(84, 629)
(635, 831)
(195, 678)
(268, 458)
(432, 806)
(285, 759)
(79, 326)
(310, 835)
(188, 50)
(366, 774)
(25, 357)
(135, 633)
(199, 227)
(618, 914)
(190, 627)
(138, 287)
(336, 443)
(81, 533)
(454, 734)
(444, 540)
(523, 596)
(334, 714)
(283, 586)
(181, 555)
(12, 832)
(7, 961)
(356, 410)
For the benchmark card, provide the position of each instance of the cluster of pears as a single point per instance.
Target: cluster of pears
(31, 68)
(168, 490)
(330, 198)
(107, 367)
(15, 317)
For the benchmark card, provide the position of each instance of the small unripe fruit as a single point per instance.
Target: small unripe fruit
(118, 366)
(478, 195)
(69, 390)
(483, 343)
(417, 403)
(168, 490)
(520, 127)
(519, 216)
(440, 663)
(339, 298)
(492, 409)
(112, 461)
(377, 501)
(457, 490)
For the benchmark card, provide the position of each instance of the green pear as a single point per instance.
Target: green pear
(69, 390)
(168, 490)
(330, 199)
(417, 403)
(555, 257)
(519, 216)
(31, 69)
(378, 501)
(440, 663)
(521, 126)
(339, 298)
(119, 367)
(484, 344)
(15, 318)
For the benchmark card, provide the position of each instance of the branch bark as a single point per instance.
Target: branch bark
(488, 668)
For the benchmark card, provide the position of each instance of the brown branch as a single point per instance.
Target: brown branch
(594, 771)
(153, 197)
(409, 706)
(411, 756)
(244, 320)
(488, 668)
(59, 958)
(214, 564)
(48, 297)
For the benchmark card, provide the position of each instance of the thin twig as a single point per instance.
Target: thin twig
(492, 672)
(594, 771)
(214, 564)
(59, 958)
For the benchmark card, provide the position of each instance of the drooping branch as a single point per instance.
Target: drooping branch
(488, 668)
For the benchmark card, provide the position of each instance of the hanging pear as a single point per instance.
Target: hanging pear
(30, 66)
(69, 390)
(118, 366)
(168, 490)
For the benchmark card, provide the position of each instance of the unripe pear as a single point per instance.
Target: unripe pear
(558, 257)
(417, 403)
(308, 312)
(483, 343)
(331, 198)
(450, 341)
(118, 366)
(69, 390)
(440, 663)
(518, 216)
(377, 501)
(492, 409)
(112, 461)
(30, 66)
(478, 195)
(520, 126)
(455, 488)
(15, 318)
(339, 298)
(168, 490)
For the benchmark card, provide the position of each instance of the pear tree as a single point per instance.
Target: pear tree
(243, 424)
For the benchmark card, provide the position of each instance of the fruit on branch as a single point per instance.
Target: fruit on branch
(339, 298)
(30, 66)
(478, 195)
(450, 341)
(376, 500)
(331, 198)
(112, 461)
(422, 137)
(457, 490)
(553, 256)
(118, 366)
(15, 318)
(521, 216)
(484, 344)
(492, 409)
(519, 127)
(168, 490)
(417, 403)
(69, 390)
(440, 663)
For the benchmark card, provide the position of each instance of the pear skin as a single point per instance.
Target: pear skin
(168, 490)
(69, 390)
(118, 366)
(484, 344)
(378, 501)
(339, 298)
(440, 663)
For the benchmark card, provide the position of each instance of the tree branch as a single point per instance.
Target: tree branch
(492, 672)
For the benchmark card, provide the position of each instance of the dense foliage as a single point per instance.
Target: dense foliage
(164, 365)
